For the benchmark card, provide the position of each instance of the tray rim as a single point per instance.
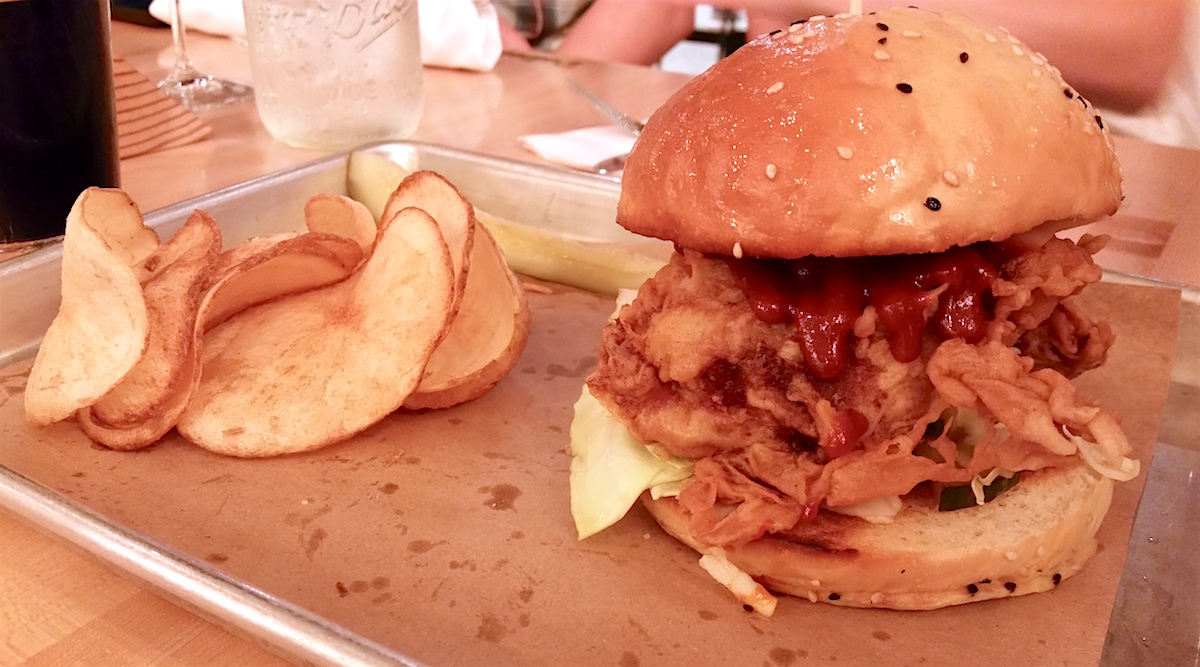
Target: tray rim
(236, 605)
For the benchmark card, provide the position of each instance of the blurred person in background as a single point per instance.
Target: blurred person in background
(1139, 62)
(630, 31)
(540, 24)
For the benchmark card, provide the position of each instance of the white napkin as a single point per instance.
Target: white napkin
(463, 34)
(216, 17)
(582, 148)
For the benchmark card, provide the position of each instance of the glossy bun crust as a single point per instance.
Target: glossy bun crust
(902, 131)
(1027, 540)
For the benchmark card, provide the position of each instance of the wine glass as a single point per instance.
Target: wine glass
(196, 91)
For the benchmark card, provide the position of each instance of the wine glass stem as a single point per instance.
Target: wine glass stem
(184, 70)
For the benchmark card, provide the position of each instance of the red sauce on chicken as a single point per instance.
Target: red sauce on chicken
(822, 298)
(847, 428)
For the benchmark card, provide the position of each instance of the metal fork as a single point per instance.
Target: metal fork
(605, 107)
(615, 164)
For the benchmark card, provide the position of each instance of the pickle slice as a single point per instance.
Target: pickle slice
(960, 496)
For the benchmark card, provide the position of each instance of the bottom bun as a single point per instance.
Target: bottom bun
(1027, 540)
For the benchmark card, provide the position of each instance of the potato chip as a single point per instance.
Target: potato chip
(155, 389)
(156, 424)
(283, 343)
(315, 368)
(102, 326)
(433, 194)
(266, 268)
(335, 214)
(487, 336)
(119, 221)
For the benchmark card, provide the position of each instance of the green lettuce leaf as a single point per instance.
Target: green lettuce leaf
(610, 469)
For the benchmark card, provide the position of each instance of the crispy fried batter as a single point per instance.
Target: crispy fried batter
(1035, 310)
(1068, 342)
(688, 365)
(1033, 405)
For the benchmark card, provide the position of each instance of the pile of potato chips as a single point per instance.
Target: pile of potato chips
(280, 344)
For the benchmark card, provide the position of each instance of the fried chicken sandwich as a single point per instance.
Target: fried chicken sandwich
(851, 382)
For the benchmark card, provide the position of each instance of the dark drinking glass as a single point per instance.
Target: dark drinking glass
(57, 119)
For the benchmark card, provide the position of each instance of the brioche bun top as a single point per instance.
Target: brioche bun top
(901, 131)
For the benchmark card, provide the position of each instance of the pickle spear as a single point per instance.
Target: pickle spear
(602, 267)
(597, 267)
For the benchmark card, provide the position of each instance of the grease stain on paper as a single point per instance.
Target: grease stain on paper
(782, 656)
(361, 586)
(423, 546)
(641, 631)
(10, 389)
(296, 518)
(581, 368)
(491, 629)
(313, 542)
(437, 590)
(502, 496)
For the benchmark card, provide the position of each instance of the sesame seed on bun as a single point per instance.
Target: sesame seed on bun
(903, 131)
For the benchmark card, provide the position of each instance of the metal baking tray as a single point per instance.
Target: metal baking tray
(572, 203)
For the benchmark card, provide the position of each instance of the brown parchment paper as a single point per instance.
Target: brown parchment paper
(447, 535)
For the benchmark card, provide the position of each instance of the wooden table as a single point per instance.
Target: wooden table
(58, 607)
